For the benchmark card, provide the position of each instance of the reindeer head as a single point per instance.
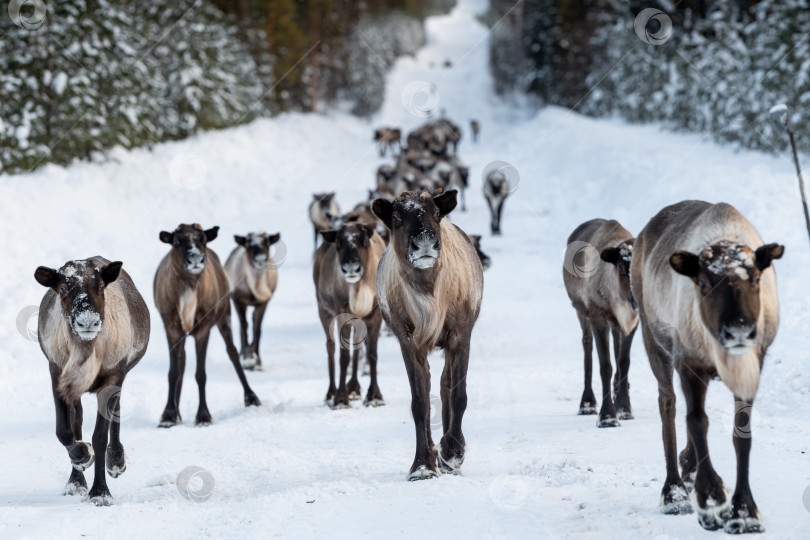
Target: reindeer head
(352, 241)
(728, 277)
(80, 285)
(324, 200)
(621, 256)
(257, 247)
(496, 185)
(415, 223)
(188, 246)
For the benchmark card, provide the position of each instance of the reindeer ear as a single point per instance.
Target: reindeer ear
(329, 236)
(446, 202)
(111, 272)
(273, 238)
(369, 230)
(611, 255)
(687, 264)
(768, 253)
(211, 234)
(47, 277)
(166, 237)
(241, 240)
(383, 209)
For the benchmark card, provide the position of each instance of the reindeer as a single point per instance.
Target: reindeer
(390, 182)
(709, 308)
(601, 295)
(475, 127)
(496, 190)
(486, 262)
(388, 138)
(362, 213)
(253, 276)
(451, 133)
(344, 272)
(93, 328)
(321, 210)
(191, 294)
(448, 174)
(430, 284)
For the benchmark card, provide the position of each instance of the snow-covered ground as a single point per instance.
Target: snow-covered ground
(296, 469)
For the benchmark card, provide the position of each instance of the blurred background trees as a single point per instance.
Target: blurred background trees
(90, 75)
(724, 65)
(95, 74)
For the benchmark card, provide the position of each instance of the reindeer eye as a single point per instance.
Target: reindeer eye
(757, 281)
(436, 213)
(63, 290)
(395, 219)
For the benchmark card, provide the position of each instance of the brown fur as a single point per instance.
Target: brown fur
(321, 210)
(337, 297)
(683, 317)
(191, 304)
(94, 364)
(431, 305)
(599, 290)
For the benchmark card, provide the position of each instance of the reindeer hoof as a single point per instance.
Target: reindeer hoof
(252, 399)
(75, 487)
(248, 360)
(741, 525)
(374, 402)
(422, 473)
(116, 471)
(586, 410)
(339, 405)
(116, 462)
(676, 502)
(624, 415)
(258, 367)
(450, 466)
(607, 422)
(102, 500)
(713, 516)
(87, 460)
(170, 419)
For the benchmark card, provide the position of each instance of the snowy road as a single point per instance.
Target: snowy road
(295, 469)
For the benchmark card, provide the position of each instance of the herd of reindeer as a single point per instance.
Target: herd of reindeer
(698, 278)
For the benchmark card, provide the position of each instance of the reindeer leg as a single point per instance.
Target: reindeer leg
(244, 351)
(177, 365)
(330, 354)
(258, 316)
(100, 493)
(445, 393)
(203, 417)
(353, 386)
(81, 454)
(621, 382)
(224, 326)
(373, 396)
(713, 507)
(607, 414)
(674, 496)
(745, 516)
(342, 395)
(424, 462)
(452, 443)
(587, 404)
(116, 462)
(76, 485)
